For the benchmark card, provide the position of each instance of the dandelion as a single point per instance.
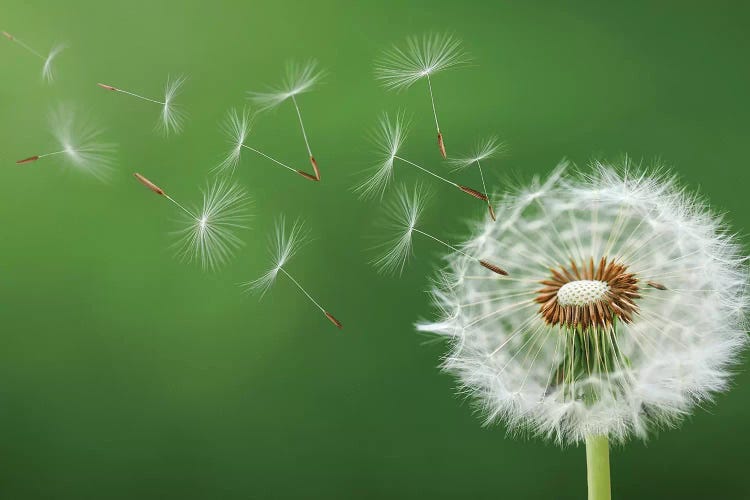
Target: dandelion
(400, 68)
(388, 138)
(283, 247)
(299, 78)
(79, 144)
(208, 234)
(172, 117)
(625, 310)
(237, 128)
(403, 216)
(48, 74)
(483, 150)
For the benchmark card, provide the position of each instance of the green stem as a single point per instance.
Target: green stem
(597, 467)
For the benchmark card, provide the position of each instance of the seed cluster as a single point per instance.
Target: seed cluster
(590, 295)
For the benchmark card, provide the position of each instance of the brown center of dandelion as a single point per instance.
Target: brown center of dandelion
(590, 295)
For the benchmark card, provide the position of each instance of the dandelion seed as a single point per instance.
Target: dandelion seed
(237, 128)
(400, 68)
(172, 117)
(299, 78)
(79, 144)
(283, 247)
(388, 138)
(208, 235)
(483, 150)
(403, 217)
(48, 74)
(626, 309)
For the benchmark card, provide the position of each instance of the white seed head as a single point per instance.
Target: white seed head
(401, 67)
(209, 234)
(298, 79)
(402, 216)
(172, 117)
(568, 348)
(79, 139)
(236, 128)
(388, 137)
(283, 246)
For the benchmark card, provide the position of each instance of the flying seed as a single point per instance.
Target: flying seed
(441, 145)
(334, 320)
(473, 192)
(493, 268)
(656, 285)
(153, 187)
(28, 160)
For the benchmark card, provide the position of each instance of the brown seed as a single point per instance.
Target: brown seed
(315, 168)
(656, 285)
(492, 212)
(7, 35)
(473, 192)
(307, 176)
(153, 187)
(493, 268)
(28, 160)
(334, 320)
(441, 145)
(106, 87)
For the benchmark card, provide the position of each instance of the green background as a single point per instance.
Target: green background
(125, 373)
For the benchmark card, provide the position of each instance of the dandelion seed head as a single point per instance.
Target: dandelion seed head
(48, 73)
(625, 306)
(388, 137)
(402, 67)
(236, 127)
(285, 243)
(298, 79)
(210, 236)
(79, 139)
(172, 118)
(402, 216)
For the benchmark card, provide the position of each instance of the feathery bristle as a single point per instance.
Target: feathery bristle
(401, 68)
(402, 214)
(388, 137)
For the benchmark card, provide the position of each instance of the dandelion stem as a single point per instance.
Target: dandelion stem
(427, 171)
(432, 100)
(303, 290)
(22, 44)
(191, 214)
(115, 89)
(268, 157)
(52, 154)
(443, 243)
(302, 126)
(597, 465)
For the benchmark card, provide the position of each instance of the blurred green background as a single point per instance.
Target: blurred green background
(125, 373)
